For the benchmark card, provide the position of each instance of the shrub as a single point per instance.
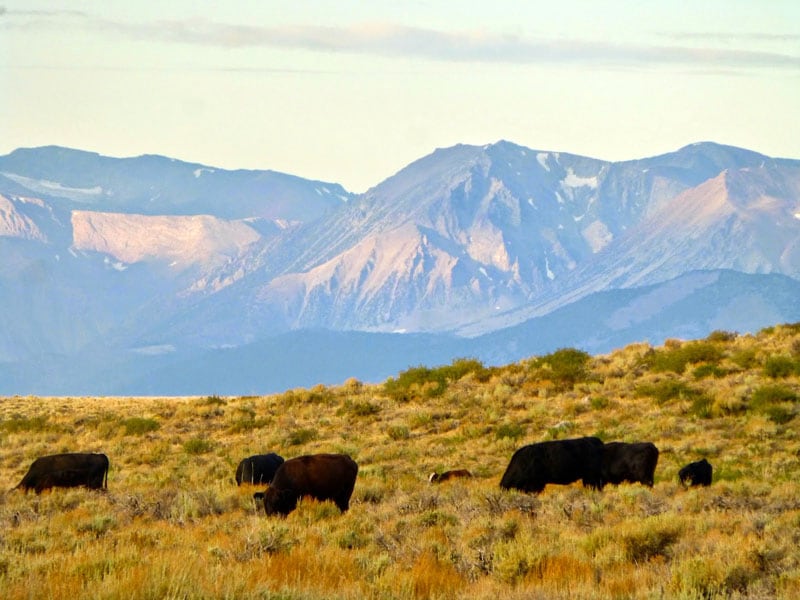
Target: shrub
(666, 390)
(414, 383)
(213, 401)
(774, 401)
(719, 336)
(464, 366)
(675, 359)
(745, 359)
(565, 366)
(708, 370)
(510, 430)
(780, 367)
(19, 423)
(140, 425)
(424, 382)
(246, 423)
(298, 437)
(198, 446)
(398, 432)
(648, 539)
(363, 408)
(701, 406)
(771, 394)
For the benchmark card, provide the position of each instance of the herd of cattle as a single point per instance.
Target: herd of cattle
(333, 476)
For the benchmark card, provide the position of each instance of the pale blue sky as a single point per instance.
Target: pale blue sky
(352, 91)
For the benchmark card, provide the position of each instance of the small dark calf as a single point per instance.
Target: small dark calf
(448, 475)
(696, 473)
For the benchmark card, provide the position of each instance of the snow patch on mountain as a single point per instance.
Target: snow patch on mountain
(573, 181)
(54, 188)
(541, 158)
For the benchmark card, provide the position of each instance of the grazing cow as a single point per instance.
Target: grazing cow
(561, 461)
(320, 476)
(66, 470)
(448, 475)
(629, 462)
(696, 473)
(258, 469)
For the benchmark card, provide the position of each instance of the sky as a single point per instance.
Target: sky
(350, 92)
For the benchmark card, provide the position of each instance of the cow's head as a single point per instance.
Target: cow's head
(279, 502)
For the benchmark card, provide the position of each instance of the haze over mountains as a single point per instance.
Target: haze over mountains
(152, 275)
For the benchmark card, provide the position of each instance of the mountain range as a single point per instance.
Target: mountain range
(150, 275)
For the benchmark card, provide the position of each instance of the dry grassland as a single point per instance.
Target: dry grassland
(173, 524)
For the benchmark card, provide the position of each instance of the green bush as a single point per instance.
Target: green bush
(364, 408)
(771, 394)
(745, 359)
(510, 430)
(775, 401)
(198, 446)
(708, 370)
(781, 366)
(720, 336)
(140, 425)
(565, 366)
(651, 538)
(213, 401)
(664, 391)
(18, 424)
(701, 406)
(675, 359)
(298, 437)
(398, 432)
(424, 382)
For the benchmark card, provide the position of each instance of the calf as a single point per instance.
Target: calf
(448, 475)
(696, 473)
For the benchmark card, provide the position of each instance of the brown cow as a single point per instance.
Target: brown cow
(66, 470)
(319, 476)
(448, 475)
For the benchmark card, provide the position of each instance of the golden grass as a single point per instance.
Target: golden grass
(173, 524)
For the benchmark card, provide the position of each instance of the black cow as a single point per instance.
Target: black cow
(320, 476)
(66, 470)
(448, 475)
(634, 462)
(561, 461)
(258, 469)
(696, 473)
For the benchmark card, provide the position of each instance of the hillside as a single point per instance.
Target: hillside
(173, 523)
